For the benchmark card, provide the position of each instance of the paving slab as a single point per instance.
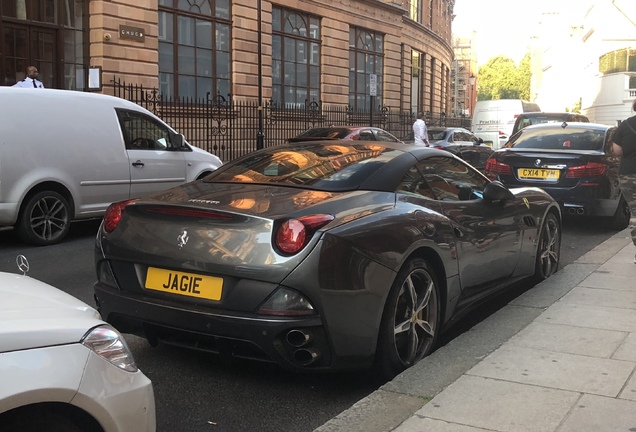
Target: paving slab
(609, 280)
(605, 377)
(572, 340)
(417, 424)
(605, 297)
(600, 414)
(590, 316)
(500, 405)
(627, 350)
(629, 392)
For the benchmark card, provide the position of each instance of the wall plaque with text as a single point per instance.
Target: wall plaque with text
(132, 33)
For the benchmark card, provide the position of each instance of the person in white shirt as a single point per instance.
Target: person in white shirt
(420, 132)
(31, 80)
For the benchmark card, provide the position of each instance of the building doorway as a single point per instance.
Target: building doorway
(25, 45)
(48, 34)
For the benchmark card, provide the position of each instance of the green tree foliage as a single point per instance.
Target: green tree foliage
(501, 78)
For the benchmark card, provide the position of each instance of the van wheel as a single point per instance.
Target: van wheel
(44, 219)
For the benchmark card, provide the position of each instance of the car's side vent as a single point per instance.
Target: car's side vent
(529, 221)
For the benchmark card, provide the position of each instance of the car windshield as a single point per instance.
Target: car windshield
(327, 167)
(570, 138)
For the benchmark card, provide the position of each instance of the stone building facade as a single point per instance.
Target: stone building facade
(324, 50)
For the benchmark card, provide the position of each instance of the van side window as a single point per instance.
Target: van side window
(142, 132)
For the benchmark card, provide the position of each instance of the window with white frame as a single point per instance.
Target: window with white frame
(295, 57)
(194, 48)
(366, 57)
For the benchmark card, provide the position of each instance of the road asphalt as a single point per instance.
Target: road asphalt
(561, 357)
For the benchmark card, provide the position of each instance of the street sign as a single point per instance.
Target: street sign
(373, 85)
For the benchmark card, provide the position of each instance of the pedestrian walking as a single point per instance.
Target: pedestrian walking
(624, 145)
(31, 80)
(420, 132)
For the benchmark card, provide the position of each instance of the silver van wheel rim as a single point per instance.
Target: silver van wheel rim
(49, 218)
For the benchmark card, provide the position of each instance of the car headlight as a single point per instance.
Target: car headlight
(109, 344)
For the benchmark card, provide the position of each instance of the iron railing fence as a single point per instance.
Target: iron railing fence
(228, 127)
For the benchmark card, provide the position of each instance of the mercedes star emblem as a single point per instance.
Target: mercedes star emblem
(23, 264)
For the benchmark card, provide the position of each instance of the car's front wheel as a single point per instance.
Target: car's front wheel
(548, 248)
(411, 320)
(44, 219)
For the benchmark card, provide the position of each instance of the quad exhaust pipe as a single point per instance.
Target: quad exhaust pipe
(301, 339)
(306, 357)
(298, 338)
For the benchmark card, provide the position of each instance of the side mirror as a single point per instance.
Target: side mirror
(496, 191)
(178, 140)
(479, 141)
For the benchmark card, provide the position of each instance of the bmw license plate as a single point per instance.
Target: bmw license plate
(185, 284)
(538, 173)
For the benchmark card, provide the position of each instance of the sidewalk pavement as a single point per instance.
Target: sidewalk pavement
(559, 358)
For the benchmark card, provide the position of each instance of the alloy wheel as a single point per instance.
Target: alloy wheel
(416, 317)
(49, 218)
(549, 247)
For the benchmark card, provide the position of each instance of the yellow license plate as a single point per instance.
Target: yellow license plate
(538, 173)
(185, 284)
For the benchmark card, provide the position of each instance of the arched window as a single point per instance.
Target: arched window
(194, 48)
(295, 57)
(366, 57)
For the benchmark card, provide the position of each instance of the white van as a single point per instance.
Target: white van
(66, 155)
(493, 120)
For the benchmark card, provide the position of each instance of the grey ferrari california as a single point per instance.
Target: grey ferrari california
(321, 255)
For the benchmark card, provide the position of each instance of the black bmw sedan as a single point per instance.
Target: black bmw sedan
(321, 255)
(570, 161)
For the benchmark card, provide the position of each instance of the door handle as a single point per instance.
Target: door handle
(138, 164)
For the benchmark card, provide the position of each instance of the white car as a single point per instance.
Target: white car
(64, 369)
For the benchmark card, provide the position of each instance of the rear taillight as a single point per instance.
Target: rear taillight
(113, 214)
(493, 166)
(293, 234)
(591, 169)
(439, 147)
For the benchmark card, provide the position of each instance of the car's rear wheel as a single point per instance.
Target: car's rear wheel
(620, 220)
(548, 248)
(44, 219)
(411, 320)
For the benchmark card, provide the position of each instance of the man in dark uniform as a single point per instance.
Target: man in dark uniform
(624, 145)
(31, 81)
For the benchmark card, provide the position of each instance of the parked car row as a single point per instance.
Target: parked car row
(269, 256)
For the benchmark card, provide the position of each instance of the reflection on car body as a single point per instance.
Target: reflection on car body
(356, 133)
(359, 256)
(458, 141)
